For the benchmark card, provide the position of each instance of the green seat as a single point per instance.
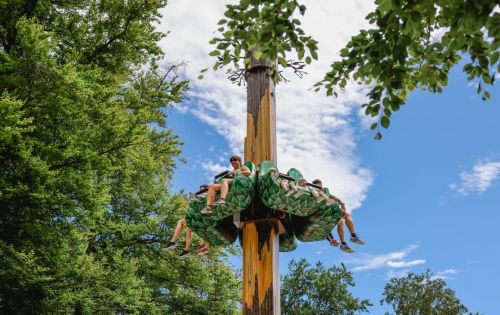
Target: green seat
(274, 197)
(316, 226)
(214, 227)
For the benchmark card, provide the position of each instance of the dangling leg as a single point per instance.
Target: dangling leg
(189, 237)
(350, 225)
(200, 246)
(212, 191)
(204, 250)
(178, 230)
(332, 240)
(226, 182)
(343, 243)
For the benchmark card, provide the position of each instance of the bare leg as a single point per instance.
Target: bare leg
(212, 190)
(292, 185)
(189, 238)
(349, 223)
(225, 187)
(200, 246)
(314, 193)
(204, 250)
(178, 230)
(340, 230)
(283, 185)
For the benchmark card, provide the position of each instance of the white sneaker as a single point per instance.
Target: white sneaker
(206, 210)
(219, 202)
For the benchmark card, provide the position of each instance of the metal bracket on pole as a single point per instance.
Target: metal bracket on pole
(236, 219)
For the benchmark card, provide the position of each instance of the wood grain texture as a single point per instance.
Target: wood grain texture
(261, 286)
(260, 141)
(261, 291)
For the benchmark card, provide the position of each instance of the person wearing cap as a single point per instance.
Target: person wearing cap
(340, 225)
(223, 186)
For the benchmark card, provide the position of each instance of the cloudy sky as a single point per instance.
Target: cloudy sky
(426, 196)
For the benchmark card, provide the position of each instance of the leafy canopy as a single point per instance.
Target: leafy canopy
(318, 290)
(86, 157)
(410, 45)
(421, 294)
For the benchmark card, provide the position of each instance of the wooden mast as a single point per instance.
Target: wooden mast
(261, 287)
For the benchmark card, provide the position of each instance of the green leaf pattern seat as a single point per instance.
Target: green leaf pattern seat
(306, 220)
(275, 197)
(240, 195)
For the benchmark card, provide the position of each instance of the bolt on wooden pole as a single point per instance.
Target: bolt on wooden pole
(261, 287)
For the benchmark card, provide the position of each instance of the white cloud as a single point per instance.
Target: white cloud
(398, 274)
(211, 168)
(392, 260)
(404, 264)
(479, 179)
(315, 133)
(446, 274)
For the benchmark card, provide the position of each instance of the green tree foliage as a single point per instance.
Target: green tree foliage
(422, 294)
(410, 45)
(318, 290)
(85, 161)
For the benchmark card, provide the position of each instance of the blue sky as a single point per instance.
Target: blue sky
(426, 196)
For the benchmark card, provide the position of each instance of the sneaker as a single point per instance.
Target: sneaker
(184, 254)
(219, 202)
(346, 248)
(357, 240)
(206, 210)
(333, 242)
(170, 245)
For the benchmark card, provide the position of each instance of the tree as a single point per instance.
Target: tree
(422, 294)
(86, 158)
(319, 290)
(411, 45)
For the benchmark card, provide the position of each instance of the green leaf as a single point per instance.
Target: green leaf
(282, 62)
(486, 96)
(494, 57)
(373, 126)
(385, 122)
(257, 54)
(487, 79)
(214, 53)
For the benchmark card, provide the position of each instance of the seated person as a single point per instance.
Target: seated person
(291, 189)
(340, 225)
(181, 224)
(223, 186)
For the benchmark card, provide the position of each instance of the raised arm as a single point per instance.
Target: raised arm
(337, 199)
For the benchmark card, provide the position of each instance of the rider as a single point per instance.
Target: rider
(340, 225)
(202, 248)
(223, 187)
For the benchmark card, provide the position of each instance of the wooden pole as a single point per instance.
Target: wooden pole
(261, 287)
